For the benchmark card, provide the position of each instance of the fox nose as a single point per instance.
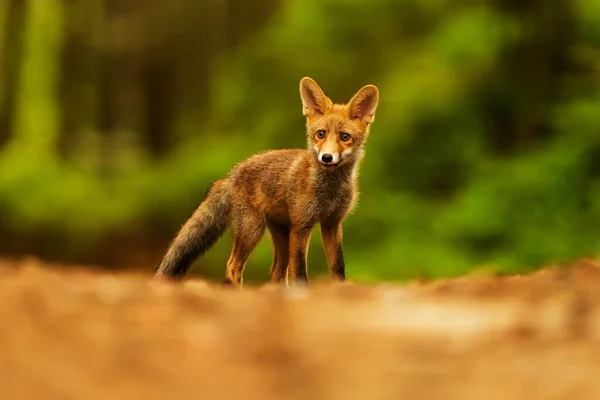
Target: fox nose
(327, 158)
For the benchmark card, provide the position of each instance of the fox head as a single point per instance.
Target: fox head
(337, 132)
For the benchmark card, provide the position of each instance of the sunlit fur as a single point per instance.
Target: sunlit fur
(287, 192)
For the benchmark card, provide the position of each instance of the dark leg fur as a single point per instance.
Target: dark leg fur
(299, 240)
(332, 242)
(280, 236)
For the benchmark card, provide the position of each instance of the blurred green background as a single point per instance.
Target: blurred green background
(115, 116)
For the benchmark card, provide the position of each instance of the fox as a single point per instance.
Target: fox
(287, 192)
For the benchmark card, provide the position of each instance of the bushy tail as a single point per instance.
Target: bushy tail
(199, 233)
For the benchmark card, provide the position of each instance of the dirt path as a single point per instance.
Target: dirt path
(88, 335)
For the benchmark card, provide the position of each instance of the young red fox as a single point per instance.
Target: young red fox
(286, 191)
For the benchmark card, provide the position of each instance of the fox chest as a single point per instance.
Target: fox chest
(333, 200)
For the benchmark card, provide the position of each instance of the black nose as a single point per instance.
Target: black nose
(327, 158)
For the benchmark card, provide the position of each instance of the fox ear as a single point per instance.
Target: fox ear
(314, 100)
(364, 103)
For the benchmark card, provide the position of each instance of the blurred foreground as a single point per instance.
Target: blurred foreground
(87, 335)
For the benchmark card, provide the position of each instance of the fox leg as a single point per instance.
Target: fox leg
(280, 235)
(246, 237)
(331, 232)
(299, 240)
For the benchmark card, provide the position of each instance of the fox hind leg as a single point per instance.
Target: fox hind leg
(246, 236)
(280, 235)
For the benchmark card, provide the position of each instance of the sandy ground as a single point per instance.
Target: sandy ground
(83, 334)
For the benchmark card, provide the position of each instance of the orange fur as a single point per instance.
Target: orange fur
(286, 192)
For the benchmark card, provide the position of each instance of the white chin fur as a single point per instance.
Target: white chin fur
(331, 164)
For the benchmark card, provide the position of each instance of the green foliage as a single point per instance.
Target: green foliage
(483, 153)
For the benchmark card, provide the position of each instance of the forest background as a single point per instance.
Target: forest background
(115, 116)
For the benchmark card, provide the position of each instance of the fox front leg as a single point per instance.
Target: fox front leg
(298, 270)
(331, 233)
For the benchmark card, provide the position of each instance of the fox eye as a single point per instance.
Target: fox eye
(320, 134)
(344, 136)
